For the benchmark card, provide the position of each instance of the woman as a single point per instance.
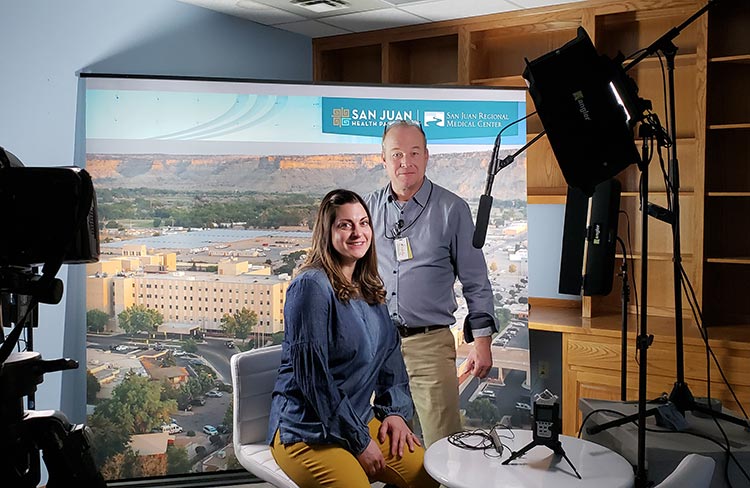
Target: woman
(339, 348)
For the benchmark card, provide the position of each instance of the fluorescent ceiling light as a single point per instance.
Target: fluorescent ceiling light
(321, 6)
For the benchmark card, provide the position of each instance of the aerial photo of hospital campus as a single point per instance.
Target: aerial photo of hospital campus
(197, 254)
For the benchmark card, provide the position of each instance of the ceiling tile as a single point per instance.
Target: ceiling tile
(437, 10)
(362, 15)
(248, 9)
(407, 2)
(312, 28)
(540, 3)
(266, 14)
(374, 20)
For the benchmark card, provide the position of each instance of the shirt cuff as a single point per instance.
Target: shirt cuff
(478, 324)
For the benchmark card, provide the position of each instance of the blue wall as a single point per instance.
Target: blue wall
(46, 43)
(545, 246)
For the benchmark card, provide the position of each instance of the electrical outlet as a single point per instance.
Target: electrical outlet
(543, 369)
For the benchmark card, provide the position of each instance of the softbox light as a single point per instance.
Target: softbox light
(588, 107)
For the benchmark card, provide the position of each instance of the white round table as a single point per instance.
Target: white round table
(598, 466)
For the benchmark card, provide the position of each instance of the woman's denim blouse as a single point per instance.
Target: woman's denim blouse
(334, 356)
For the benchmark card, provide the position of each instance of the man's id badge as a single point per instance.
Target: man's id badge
(403, 249)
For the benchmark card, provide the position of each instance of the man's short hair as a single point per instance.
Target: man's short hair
(402, 123)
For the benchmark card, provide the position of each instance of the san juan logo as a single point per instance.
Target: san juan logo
(341, 117)
(434, 119)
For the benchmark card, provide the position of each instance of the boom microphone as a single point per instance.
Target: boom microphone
(485, 201)
(483, 219)
(495, 165)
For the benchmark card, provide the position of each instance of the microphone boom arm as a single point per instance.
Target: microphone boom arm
(508, 160)
(485, 201)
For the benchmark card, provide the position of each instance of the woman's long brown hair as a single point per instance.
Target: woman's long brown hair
(366, 281)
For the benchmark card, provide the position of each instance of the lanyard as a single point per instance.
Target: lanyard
(399, 227)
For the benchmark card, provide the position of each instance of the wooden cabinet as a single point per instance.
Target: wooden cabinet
(355, 64)
(591, 360)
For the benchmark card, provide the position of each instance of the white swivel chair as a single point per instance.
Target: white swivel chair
(253, 378)
(694, 471)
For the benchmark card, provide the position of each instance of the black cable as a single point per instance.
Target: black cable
(483, 441)
(664, 89)
(633, 286)
(699, 323)
(726, 448)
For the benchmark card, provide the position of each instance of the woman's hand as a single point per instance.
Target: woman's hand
(400, 434)
(371, 459)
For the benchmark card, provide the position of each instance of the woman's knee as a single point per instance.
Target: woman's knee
(319, 466)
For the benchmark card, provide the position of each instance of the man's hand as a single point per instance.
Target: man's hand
(371, 459)
(400, 434)
(479, 361)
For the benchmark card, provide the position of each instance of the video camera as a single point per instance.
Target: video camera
(49, 215)
(49, 219)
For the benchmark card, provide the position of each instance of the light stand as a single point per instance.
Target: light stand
(643, 340)
(680, 396)
(576, 105)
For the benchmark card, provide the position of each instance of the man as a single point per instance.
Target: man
(423, 239)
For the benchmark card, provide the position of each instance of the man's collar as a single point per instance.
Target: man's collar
(420, 198)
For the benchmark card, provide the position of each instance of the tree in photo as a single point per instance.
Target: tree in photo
(96, 320)
(483, 410)
(136, 405)
(177, 460)
(190, 345)
(239, 324)
(109, 440)
(92, 388)
(139, 318)
(229, 414)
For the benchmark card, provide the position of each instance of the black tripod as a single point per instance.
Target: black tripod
(546, 430)
(66, 447)
(555, 446)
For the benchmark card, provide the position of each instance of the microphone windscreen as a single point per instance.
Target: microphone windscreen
(483, 219)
